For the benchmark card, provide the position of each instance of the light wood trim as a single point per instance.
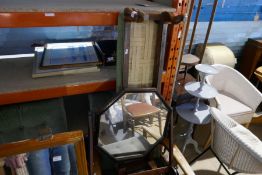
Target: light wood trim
(184, 165)
(150, 132)
(152, 164)
(257, 119)
(75, 137)
(25, 96)
(156, 171)
(247, 125)
(15, 148)
(2, 163)
(208, 142)
(81, 157)
(181, 160)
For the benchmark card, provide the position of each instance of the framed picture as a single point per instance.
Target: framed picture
(69, 54)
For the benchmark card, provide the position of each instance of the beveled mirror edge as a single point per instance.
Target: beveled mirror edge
(98, 114)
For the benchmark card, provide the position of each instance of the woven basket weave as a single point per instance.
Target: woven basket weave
(231, 149)
(142, 54)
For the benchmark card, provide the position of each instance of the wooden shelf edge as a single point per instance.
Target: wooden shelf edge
(52, 19)
(41, 94)
(13, 148)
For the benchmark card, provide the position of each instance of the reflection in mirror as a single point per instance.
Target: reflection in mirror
(121, 126)
(56, 160)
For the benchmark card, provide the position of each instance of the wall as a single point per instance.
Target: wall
(235, 21)
(234, 34)
(231, 10)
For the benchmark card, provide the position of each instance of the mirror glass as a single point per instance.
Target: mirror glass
(131, 125)
(56, 160)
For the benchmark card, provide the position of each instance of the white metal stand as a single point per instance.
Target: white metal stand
(198, 112)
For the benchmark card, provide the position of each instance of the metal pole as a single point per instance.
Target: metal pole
(208, 29)
(187, 27)
(195, 25)
(171, 141)
(91, 143)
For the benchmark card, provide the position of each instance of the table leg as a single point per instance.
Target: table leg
(133, 127)
(185, 72)
(159, 123)
(190, 140)
(202, 82)
(197, 105)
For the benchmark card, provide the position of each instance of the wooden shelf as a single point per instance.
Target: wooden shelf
(42, 13)
(17, 84)
(41, 19)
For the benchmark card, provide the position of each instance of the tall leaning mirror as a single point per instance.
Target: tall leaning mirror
(123, 125)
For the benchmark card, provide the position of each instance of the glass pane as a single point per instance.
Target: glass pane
(48, 161)
(126, 128)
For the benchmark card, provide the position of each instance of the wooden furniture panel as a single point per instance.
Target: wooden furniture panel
(252, 57)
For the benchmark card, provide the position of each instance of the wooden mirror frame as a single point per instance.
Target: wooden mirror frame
(167, 133)
(74, 137)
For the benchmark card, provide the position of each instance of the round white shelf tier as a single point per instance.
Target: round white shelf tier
(204, 92)
(189, 59)
(200, 116)
(206, 69)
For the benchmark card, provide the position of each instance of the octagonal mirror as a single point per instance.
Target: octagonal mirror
(132, 124)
